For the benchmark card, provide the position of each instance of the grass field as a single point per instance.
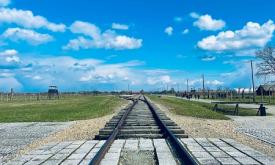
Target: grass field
(197, 109)
(66, 109)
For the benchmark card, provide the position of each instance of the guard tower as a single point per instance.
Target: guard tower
(53, 92)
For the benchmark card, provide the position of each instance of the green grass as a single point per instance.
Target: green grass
(188, 108)
(197, 109)
(228, 110)
(65, 109)
(258, 99)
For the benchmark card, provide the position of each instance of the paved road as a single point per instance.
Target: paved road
(14, 136)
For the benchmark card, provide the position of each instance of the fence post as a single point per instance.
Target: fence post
(262, 97)
(215, 107)
(11, 94)
(236, 112)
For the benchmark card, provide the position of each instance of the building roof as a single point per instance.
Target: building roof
(268, 87)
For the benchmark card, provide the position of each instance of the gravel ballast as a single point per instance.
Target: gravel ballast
(208, 128)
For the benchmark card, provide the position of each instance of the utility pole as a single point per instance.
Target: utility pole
(252, 77)
(187, 89)
(203, 85)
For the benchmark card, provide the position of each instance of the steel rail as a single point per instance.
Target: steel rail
(184, 156)
(104, 149)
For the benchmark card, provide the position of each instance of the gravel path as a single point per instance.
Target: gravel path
(196, 127)
(262, 128)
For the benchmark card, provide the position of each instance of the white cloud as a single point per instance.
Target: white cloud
(210, 83)
(6, 74)
(214, 82)
(88, 29)
(208, 58)
(108, 39)
(84, 71)
(37, 77)
(252, 35)
(30, 36)
(178, 19)
(120, 26)
(206, 22)
(194, 15)
(27, 19)
(239, 77)
(195, 82)
(82, 74)
(107, 73)
(79, 43)
(15, 59)
(152, 81)
(9, 56)
(91, 74)
(165, 79)
(169, 30)
(7, 83)
(185, 31)
(5, 2)
(9, 62)
(154, 72)
(9, 52)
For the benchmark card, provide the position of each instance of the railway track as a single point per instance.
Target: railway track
(142, 120)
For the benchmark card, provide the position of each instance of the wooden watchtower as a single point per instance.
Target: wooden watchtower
(53, 92)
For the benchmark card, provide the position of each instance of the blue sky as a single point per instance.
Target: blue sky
(105, 45)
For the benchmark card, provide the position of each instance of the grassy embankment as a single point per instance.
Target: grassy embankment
(65, 109)
(198, 109)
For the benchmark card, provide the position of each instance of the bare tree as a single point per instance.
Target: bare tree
(267, 63)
